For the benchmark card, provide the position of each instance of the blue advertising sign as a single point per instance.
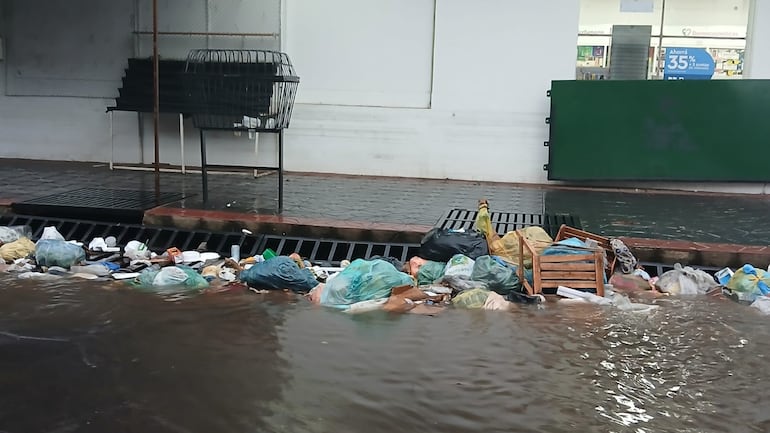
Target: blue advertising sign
(688, 64)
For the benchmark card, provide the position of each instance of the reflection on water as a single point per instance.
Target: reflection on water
(82, 358)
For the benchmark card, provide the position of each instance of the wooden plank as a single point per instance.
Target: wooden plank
(528, 287)
(599, 278)
(567, 258)
(565, 275)
(567, 266)
(569, 283)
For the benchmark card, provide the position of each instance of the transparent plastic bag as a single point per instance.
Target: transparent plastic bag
(459, 264)
(499, 278)
(50, 252)
(363, 280)
(460, 283)
(749, 283)
(51, 233)
(17, 249)
(471, 299)
(176, 276)
(10, 234)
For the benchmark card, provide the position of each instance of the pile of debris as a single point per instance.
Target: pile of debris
(475, 269)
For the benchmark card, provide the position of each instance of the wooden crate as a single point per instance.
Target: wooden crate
(577, 271)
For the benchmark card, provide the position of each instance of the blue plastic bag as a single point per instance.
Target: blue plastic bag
(49, 252)
(363, 280)
(278, 273)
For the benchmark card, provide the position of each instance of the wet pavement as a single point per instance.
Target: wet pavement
(737, 219)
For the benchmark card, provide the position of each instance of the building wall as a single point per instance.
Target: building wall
(488, 101)
(419, 88)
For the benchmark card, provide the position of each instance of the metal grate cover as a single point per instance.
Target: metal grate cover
(122, 205)
(503, 222)
(157, 238)
(327, 252)
(331, 252)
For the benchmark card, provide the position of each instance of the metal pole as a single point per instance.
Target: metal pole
(256, 151)
(660, 37)
(280, 170)
(204, 172)
(181, 141)
(112, 144)
(156, 92)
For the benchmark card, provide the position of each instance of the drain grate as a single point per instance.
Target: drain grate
(157, 238)
(329, 252)
(503, 222)
(326, 252)
(101, 204)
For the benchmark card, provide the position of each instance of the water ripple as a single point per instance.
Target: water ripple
(109, 359)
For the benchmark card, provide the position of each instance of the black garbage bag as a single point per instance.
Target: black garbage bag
(398, 264)
(439, 245)
(523, 298)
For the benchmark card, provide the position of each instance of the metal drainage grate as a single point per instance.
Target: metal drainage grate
(157, 238)
(101, 204)
(503, 222)
(329, 252)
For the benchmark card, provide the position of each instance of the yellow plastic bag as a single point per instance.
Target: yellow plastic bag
(17, 249)
(507, 247)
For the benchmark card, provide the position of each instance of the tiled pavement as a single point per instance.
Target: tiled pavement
(702, 218)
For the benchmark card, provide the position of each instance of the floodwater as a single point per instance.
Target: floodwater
(78, 357)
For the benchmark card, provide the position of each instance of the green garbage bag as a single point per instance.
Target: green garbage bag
(430, 272)
(363, 280)
(471, 299)
(179, 277)
(498, 277)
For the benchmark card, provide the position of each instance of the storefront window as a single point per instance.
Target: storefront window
(689, 39)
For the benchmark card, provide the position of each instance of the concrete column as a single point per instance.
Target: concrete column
(758, 41)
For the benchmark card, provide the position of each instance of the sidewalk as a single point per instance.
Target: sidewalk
(398, 204)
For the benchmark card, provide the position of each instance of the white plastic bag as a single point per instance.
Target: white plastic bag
(51, 233)
(170, 276)
(685, 281)
(136, 250)
(762, 303)
(459, 265)
(10, 234)
(571, 293)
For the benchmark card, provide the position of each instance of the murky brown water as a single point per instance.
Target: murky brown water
(79, 358)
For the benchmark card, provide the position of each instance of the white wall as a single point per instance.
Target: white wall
(53, 56)
(362, 52)
(215, 16)
(489, 101)
(81, 61)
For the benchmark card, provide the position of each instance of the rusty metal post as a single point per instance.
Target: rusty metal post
(156, 93)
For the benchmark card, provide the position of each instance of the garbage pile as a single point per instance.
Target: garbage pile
(474, 269)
